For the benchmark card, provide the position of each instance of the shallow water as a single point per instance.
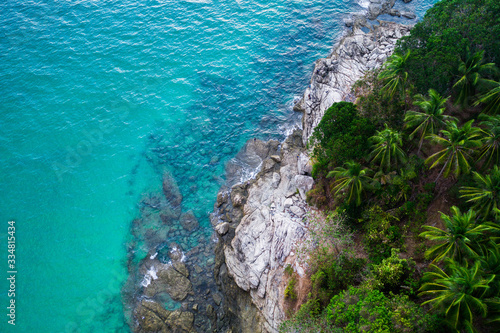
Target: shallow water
(100, 98)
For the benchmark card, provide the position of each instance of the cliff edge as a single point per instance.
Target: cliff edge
(259, 221)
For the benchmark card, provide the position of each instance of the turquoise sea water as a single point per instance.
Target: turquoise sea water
(98, 98)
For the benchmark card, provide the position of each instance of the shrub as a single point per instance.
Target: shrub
(395, 274)
(290, 289)
(362, 310)
(381, 233)
(342, 135)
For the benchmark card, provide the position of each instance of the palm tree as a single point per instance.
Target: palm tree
(490, 136)
(471, 70)
(490, 265)
(458, 142)
(485, 195)
(431, 119)
(462, 236)
(354, 180)
(458, 294)
(387, 148)
(394, 74)
(491, 98)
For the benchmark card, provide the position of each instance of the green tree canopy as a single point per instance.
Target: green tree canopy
(470, 79)
(353, 180)
(387, 151)
(341, 135)
(458, 144)
(485, 194)
(458, 293)
(460, 240)
(432, 117)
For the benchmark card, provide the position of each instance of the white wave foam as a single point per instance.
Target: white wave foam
(364, 3)
(150, 275)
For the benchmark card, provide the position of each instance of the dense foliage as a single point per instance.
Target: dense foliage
(403, 270)
(341, 135)
(441, 40)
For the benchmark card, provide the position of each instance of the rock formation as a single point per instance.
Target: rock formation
(260, 220)
(259, 223)
(333, 76)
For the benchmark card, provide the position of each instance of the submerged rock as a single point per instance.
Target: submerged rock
(189, 221)
(152, 317)
(171, 279)
(171, 190)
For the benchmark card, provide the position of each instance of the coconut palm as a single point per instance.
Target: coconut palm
(491, 98)
(490, 137)
(387, 149)
(457, 143)
(485, 194)
(353, 180)
(490, 265)
(458, 293)
(431, 119)
(461, 239)
(394, 74)
(470, 79)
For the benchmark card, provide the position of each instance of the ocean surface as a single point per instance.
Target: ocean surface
(98, 99)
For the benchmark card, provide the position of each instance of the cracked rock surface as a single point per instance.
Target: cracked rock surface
(333, 76)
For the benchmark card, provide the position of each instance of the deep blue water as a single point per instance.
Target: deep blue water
(99, 98)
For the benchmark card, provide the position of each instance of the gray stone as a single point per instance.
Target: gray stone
(189, 221)
(222, 228)
(333, 76)
(394, 12)
(374, 10)
(171, 190)
(276, 158)
(267, 229)
(169, 280)
(297, 211)
(304, 165)
(409, 15)
(217, 298)
(304, 184)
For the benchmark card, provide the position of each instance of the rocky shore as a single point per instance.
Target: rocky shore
(258, 222)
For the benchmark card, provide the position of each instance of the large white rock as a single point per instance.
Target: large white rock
(333, 76)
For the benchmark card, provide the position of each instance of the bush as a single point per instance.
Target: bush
(381, 234)
(333, 277)
(290, 289)
(362, 310)
(342, 135)
(375, 105)
(395, 274)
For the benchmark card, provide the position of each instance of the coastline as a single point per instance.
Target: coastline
(259, 221)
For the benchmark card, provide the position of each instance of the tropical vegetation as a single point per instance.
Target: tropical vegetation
(410, 174)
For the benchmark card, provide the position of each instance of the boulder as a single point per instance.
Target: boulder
(304, 184)
(189, 221)
(222, 228)
(408, 15)
(171, 281)
(171, 190)
(181, 321)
